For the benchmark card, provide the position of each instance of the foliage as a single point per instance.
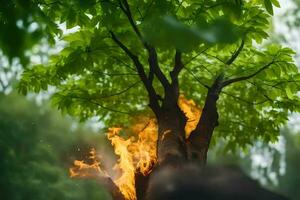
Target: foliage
(93, 76)
(36, 147)
(22, 25)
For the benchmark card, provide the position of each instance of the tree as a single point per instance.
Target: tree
(133, 57)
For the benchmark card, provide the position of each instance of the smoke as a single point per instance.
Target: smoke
(213, 183)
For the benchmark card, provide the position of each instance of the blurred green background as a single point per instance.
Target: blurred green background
(37, 147)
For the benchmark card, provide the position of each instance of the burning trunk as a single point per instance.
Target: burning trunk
(171, 144)
(155, 143)
(176, 142)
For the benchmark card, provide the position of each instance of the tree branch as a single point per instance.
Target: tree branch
(194, 57)
(235, 54)
(114, 74)
(124, 63)
(120, 92)
(244, 100)
(196, 78)
(200, 137)
(91, 101)
(126, 9)
(140, 69)
(177, 67)
(153, 62)
(234, 80)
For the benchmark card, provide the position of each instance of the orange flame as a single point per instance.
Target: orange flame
(83, 169)
(137, 154)
(192, 111)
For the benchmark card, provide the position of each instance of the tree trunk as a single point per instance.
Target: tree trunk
(199, 140)
(176, 155)
(171, 145)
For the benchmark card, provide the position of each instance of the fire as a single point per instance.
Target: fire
(137, 154)
(192, 112)
(126, 182)
(83, 169)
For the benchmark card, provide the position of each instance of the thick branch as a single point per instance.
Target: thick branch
(242, 78)
(154, 67)
(140, 69)
(126, 9)
(153, 62)
(199, 139)
(178, 66)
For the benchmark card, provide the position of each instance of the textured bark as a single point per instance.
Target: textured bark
(141, 185)
(171, 146)
(199, 140)
(110, 186)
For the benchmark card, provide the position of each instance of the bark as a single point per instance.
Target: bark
(199, 140)
(141, 185)
(110, 186)
(171, 146)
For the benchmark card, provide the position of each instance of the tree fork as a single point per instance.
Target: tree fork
(199, 140)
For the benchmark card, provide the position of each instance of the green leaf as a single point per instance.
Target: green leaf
(289, 93)
(168, 31)
(269, 6)
(276, 3)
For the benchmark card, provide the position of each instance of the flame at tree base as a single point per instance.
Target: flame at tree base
(137, 154)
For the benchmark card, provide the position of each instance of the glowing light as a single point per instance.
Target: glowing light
(137, 154)
(83, 169)
(192, 112)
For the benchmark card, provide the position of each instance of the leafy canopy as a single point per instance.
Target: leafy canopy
(93, 75)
